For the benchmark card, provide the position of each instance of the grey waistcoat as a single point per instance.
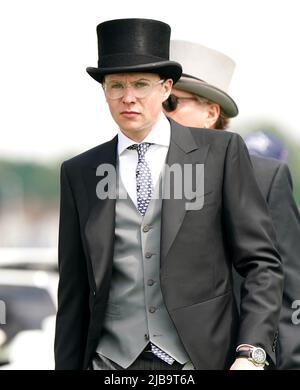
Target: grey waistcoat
(136, 312)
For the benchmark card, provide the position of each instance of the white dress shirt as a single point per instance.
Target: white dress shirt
(155, 156)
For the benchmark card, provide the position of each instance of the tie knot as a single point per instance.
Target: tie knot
(140, 148)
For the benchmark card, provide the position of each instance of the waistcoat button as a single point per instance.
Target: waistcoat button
(146, 228)
(152, 309)
(150, 282)
(148, 255)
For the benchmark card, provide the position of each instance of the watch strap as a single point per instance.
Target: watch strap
(246, 354)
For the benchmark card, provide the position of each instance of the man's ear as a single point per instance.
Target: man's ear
(213, 114)
(168, 88)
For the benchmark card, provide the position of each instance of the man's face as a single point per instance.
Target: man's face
(193, 113)
(137, 108)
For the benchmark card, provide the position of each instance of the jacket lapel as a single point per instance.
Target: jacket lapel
(100, 225)
(183, 150)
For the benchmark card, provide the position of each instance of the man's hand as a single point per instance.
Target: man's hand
(244, 364)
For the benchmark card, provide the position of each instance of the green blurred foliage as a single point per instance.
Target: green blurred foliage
(35, 181)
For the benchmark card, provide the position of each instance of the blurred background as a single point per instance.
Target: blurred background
(51, 110)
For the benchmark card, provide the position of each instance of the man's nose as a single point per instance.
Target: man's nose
(129, 95)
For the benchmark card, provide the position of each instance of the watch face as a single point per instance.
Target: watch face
(259, 355)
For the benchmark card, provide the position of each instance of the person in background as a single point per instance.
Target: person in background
(200, 99)
(263, 144)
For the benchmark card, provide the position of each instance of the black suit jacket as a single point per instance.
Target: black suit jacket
(198, 248)
(275, 182)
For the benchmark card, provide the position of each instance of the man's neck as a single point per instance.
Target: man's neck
(137, 136)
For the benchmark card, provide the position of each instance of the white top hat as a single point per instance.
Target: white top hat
(206, 73)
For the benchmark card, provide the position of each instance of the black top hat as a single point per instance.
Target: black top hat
(134, 45)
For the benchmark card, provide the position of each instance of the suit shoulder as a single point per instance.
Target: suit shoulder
(214, 136)
(268, 170)
(268, 166)
(90, 156)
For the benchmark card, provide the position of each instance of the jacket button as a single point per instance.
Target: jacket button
(148, 255)
(152, 309)
(146, 228)
(150, 282)
(94, 293)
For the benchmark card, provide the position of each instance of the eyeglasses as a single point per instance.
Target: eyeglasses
(172, 102)
(141, 88)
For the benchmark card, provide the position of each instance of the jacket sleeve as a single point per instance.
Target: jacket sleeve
(286, 221)
(72, 316)
(250, 236)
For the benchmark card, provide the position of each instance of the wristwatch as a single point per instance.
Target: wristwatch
(256, 355)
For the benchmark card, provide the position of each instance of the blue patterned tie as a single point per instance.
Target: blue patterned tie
(161, 354)
(144, 185)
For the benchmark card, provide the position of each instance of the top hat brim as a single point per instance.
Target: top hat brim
(208, 91)
(166, 69)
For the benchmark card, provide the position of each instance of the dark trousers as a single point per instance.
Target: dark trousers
(145, 361)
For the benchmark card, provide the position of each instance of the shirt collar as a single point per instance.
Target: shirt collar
(159, 135)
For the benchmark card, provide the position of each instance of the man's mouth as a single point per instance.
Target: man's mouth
(130, 114)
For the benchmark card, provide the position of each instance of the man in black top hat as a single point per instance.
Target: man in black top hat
(145, 275)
